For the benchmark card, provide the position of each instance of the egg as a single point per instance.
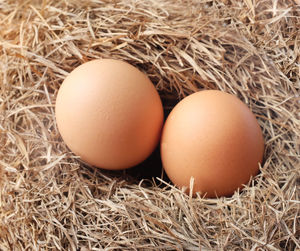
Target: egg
(109, 114)
(213, 137)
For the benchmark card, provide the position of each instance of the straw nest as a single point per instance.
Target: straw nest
(49, 200)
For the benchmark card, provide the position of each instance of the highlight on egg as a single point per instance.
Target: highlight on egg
(213, 137)
(109, 113)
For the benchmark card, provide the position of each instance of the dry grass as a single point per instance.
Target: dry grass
(49, 200)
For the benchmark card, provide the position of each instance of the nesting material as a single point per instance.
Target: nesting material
(50, 200)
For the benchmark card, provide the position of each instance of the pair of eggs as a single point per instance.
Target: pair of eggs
(110, 114)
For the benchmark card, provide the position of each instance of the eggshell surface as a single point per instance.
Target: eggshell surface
(109, 113)
(213, 137)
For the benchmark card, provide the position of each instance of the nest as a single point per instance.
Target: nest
(50, 200)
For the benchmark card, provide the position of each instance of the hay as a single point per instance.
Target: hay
(49, 200)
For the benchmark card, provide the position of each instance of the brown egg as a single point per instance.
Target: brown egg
(109, 113)
(213, 137)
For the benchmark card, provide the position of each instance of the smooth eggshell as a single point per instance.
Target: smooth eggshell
(215, 138)
(109, 113)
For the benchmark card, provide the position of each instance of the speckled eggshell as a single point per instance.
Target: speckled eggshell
(213, 137)
(109, 113)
